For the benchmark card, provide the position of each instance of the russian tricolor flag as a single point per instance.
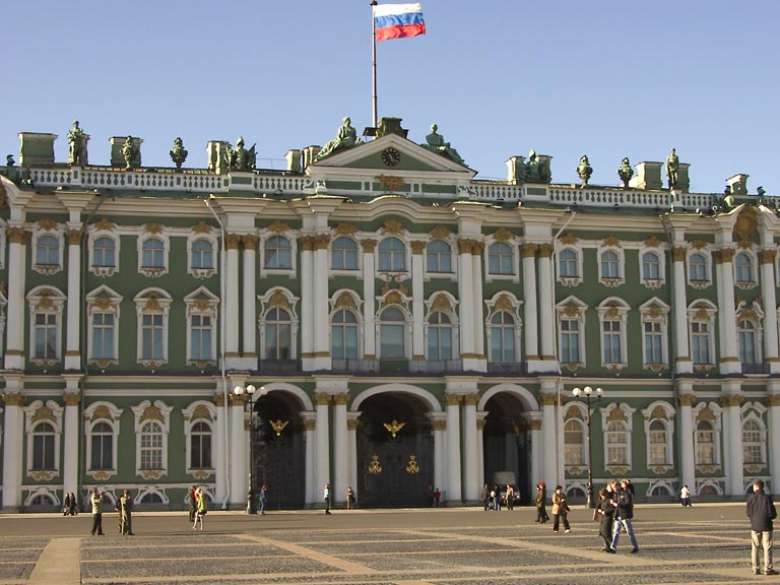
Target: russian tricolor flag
(397, 21)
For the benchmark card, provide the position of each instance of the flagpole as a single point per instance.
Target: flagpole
(373, 65)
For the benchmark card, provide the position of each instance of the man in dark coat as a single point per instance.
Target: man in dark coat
(761, 511)
(624, 515)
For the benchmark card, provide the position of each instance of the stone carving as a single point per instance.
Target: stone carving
(77, 145)
(131, 152)
(537, 170)
(673, 169)
(435, 142)
(242, 159)
(178, 152)
(345, 138)
(584, 170)
(625, 172)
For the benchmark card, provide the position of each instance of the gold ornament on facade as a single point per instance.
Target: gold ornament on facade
(352, 424)
(418, 247)
(393, 226)
(279, 299)
(699, 244)
(346, 229)
(278, 227)
(746, 225)
(342, 398)
(152, 412)
(232, 241)
(309, 424)
(549, 399)
(441, 302)
(654, 312)
(152, 303)
(368, 246)
(101, 475)
(390, 182)
(306, 243)
(439, 425)
(71, 398)
(322, 398)
(706, 414)
(572, 309)
(202, 303)
(612, 313)
(201, 228)
(686, 399)
(201, 412)
(745, 244)
(616, 414)
(502, 235)
(45, 300)
(679, 253)
(321, 242)
(568, 239)
(731, 400)
(394, 427)
(701, 314)
(153, 228)
(774, 400)
(101, 411)
(747, 315)
(767, 256)
(611, 242)
(74, 237)
(535, 424)
(454, 399)
(43, 413)
(503, 303)
(412, 467)
(652, 241)
(278, 426)
(375, 467)
(471, 399)
(16, 235)
(529, 250)
(104, 225)
(658, 412)
(546, 250)
(440, 232)
(47, 224)
(249, 241)
(345, 300)
(103, 302)
(393, 298)
(13, 399)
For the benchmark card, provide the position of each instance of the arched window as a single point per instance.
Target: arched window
(440, 334)
(651, 266)
(610, 264)
(743, 265)
(752, 442)
(439, 255)
(278, 252)
(43, 500)
(202, 255)
(392, 334)
(574, 442)
(697, 268)
(278, 334)
(153, 253)
(502, 337)
(567, 264)
(151, 498)
(705, 443)
(658, 443)
(617, 443)
(344, 335)
(746, 332)
(392, 255)
(43, 447)
(200, 446)
(151, 445)
(344, 254)
(47, 251)
(104, 252)
(102, 448)
(500, 259)
(700, 342)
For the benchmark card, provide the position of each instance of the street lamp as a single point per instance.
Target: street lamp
(252, 394)
(587, 393)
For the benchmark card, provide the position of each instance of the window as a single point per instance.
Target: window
(574, 443)
(103, 335)
(611, 342)
(567, 264)
(103, 254)
(43, 447)
(500, 259)
(752, 442)
(743, 265)
(102, 448)
(654, 341)
(200, 446)
(658, 443)
(651, 266)
(392, 255)
(700, 342)
(278, 253)
(697, 268)
(278, 335)
(47, 251)
(439, 337)
(392, 334)
(570, 341)
(610, 264)
(45, 347)
(439, 255)
(151, 445)
(705, 443)
(202, 255)
(617, 443)
(200, 337)
(747, 342)
(153, 253)
(502, 337)
(344, 335)
(344, 254)
(152, 344)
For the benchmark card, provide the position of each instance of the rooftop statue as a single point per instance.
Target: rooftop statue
(242, 159)
(673, 168)
(625, 172)
(131, 152)
(435, 142)
(584, 170)
(77, 146)
(537, 170)
(178, 152)
(9, 161)
(345, 138)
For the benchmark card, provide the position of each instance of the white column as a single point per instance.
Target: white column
(453, 492)
(546, 307)
(530, 308)
(232, 357)
(70, 447)
(418, 309)
(13, 439)
(369, 300)
(221, 456)
(550, 447)
(306, 244)
(682, 356)
(249, 318)
(310, 439)
(732, 437)
(773, 426)
(478, 315)
(352, 424)
(322, 445)
(535, 426)
(687, 460)
(72, 335)
(470, 445)
(466, 304)
(322, 359)
(14, 353)
(729, 356)
(768, 299)
(439, 429)
(239, 482)
(481, 420)
(340, 448)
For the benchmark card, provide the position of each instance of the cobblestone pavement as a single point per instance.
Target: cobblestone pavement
(706, 544)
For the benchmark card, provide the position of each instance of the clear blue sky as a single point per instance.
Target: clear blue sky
(606, 78)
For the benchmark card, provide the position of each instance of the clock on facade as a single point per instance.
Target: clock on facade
(391, 157)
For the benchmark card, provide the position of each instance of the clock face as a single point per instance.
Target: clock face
(391, 157)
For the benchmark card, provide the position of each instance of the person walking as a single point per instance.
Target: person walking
(510, 497)
(96, 500)
(560, 510)
(326, 497)
(74, 505)
(263, 498)
(485, 495)
(350, 498)
(761, 512)
(193, 503)
(624, 514)
(200, 498)
(541, 502)
(685, 497)
(606, 512)
(66, 505)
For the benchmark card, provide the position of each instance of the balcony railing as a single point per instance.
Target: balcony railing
(279, 366)
(506, 368)
(354, 366)
(755, 368)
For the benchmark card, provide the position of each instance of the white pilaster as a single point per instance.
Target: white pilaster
(546, 302)
(481, 419)
(72, 334)
(14, 353)
(729, 354)
(682, 355)
(322, 444)
(369, 299)
(550, 453)
(732, 422)
(478, 316)
(340, 448)
(685, 399)
(470, 445)
(221, 457)
(773, 425)
(239, 482)
(232, 357)
(249, 318)
(466, 297)
(768, 298)
(322, 360)
(530, 309)
(307, 303)
(453, 491)
(13, 441)
(310, 426)
(439, 430)
(70, 446)
(418, 310)
(352, 424)
(537, 452)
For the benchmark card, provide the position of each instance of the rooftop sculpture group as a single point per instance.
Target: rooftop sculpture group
(435, 142)
(345, 138)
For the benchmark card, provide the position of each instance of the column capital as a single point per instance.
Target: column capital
(465, 246)
(723, 255)
(686, 399)
(219, 400)
(767, 256)
(453, 399)
(250, 242)
(72, 398)
(17, 235)
(529, 250)
(679, 253)
(418, 246)
(535, 424)
(321, 241)
(548, 399)
(731, 400)
(439, 424)
(309, 424)
(74, 237)
(232, 241)
(471, 399)
(477, 247)
(341, 399)
(238, 399)
(545, 250)
(13, 399)
(773, 399)
(368, 246)
(322, 398)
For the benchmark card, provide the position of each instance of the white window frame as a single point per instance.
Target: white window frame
(655, 311)
(514, 249)
(628, 414)
(47, 300)
(36, 413)
(94, 235)
(621, 260)
(650, 415)
(103, 295)
(58, 233)
(661, 255)
(159, 412)
(351, 302)
(755, 267)
(408, 325)
(717, 432)
(580, 416)
(196, 412)
(407, 254)
(208, 236)
(707, 254)
(358, 270)
(696, 312)
(453, 274)
(152, 301)
(569, 281)
(614, 309)
(290, 235)
(160, 234)
(504, 301)
(105, 412)
(444, 302)
(202, 301)
(572, 308)
(269, 301)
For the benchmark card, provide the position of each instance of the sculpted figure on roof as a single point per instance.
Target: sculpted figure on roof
(584, 170)
(537, 170)
(77, 145)
(178, 152)
(346, 137)
(436, 143)
(672, 168)
(131, 152)
(242, 159)
(625, 172)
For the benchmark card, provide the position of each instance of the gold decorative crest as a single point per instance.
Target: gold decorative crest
(278, 426)
(393, 226)
(47, 224)
(278, 299)
(652, 242)
(747, 224)
(412, 467)
(346, 229)
(391, 183)
(612, 241)
(502, 235)
(201, 228)
(441, 303)
(503, 303)
(394, 427)
(103, 224)
(440, 232)
(375, 467)
(569, 239)
(153, 228)
(278, 228)
(345, 300)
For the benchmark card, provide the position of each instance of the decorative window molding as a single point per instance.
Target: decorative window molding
(568, 265)
(440, 314)
(153, 261)
(46, 304)
(103, 305)
(197, 264)
(202, 307)
(501, 257)
(435, 259)
(277, 302)
(390, 258)
(48, 245)
(41, 496)
(699, 265)
(659, 436)
(266, 241)
(94, 414)
(39, 416)
(200, 411)
(152, 306)
(345, 257)
(754, 437)
(617, 424)
(102, 260)
(707, 418)
(611, 263)
(701, 326)
(571, 333)
(503, 302)
(745, 268)
(346, 300)
(750, 333)
(151, 415)
(152, 495)
(652, 266)
(613, 322)
(575, 437)
(392, 315)
(654, 315)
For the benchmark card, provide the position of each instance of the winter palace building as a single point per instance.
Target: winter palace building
(412, 327)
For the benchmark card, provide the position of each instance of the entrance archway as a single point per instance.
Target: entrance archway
(279, 450)
(507, 444)
(395, 451)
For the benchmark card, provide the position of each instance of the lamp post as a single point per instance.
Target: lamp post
(587, 393)
(252, 394)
